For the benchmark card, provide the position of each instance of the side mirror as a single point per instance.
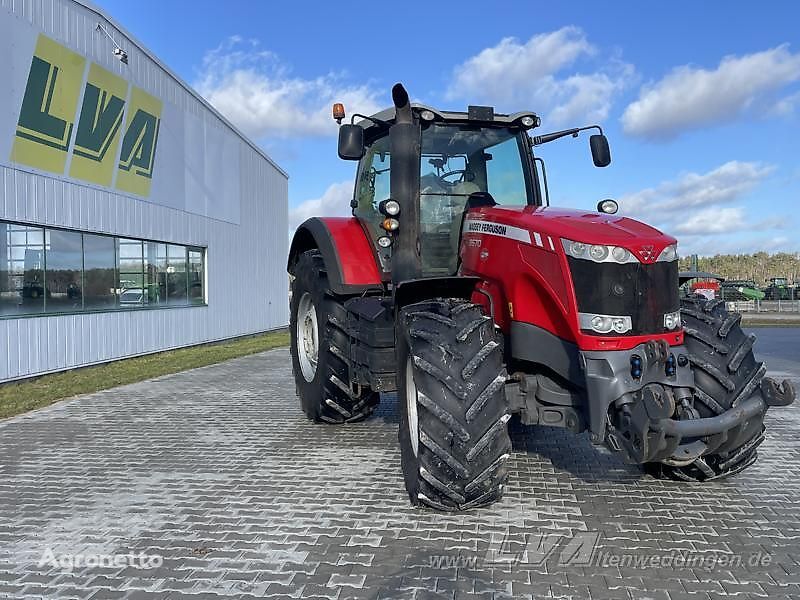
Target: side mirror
(601, 154)
(351, 142)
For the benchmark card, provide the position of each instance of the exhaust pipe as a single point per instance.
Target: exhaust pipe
(401, 104)
(404, 143)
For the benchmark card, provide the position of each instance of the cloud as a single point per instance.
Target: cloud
(713, 220)
(334, 202)
(513, 64)
(699, 206)
(258, 93)
(584, 98)
(516, 76)
(786, 106)
(725, 184)
(691, 98)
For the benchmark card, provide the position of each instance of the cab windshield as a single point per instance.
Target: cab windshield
(458, 161)
(455, 161)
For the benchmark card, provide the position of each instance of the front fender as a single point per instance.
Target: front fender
(349, 257)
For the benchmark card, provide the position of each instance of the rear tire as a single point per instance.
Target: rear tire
(320, 347)
(725, 372)
(454, 439)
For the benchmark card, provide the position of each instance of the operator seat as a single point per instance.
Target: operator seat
(459, 201)
(480, 199)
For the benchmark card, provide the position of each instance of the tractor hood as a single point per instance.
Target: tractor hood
(580, 226)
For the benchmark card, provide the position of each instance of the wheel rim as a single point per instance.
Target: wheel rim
(411, 407)
(307, 340)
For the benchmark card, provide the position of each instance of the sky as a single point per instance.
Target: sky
(700, 100)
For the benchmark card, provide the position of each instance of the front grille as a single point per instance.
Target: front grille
(643, 292)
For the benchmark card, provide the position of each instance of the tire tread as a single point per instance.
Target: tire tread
(329, 398)
(462, 413)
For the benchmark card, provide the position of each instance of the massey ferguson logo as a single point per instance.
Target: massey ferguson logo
(646, 253)
(510, 232)
(487, 227)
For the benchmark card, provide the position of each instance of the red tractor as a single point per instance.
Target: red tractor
(456, 285)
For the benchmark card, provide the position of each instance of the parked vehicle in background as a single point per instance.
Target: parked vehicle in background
(779, 289)
(700, 282)
(33, 290)
(740, 289)
(132, 297)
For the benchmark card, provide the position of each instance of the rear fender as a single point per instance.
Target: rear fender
(348, 254)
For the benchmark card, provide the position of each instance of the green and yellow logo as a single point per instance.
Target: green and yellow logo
(44, 137)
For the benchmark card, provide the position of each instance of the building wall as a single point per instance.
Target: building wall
(245, 233)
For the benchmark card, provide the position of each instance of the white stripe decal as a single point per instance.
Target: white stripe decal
(538, 239)
(498, 229)
(552, 247)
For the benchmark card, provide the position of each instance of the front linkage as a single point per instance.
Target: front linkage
(689, 412)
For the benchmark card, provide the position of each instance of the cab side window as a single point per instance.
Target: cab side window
(373, 182)
(505, 178)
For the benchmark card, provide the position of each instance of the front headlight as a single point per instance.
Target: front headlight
(605, 323)
(668, 254)
(672, 320)
(598, 253)
(620, 255)
(576, 249)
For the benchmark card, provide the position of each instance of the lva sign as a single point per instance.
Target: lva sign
(88, 124)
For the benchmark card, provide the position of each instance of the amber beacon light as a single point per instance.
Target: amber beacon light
(338, 112)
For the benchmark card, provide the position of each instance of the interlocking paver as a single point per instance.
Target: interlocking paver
(217, 473)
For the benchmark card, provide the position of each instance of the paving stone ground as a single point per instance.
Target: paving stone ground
(216, 474)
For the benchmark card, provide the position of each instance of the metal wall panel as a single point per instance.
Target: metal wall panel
(246, 277)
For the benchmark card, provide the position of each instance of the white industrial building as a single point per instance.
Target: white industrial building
(133, 217)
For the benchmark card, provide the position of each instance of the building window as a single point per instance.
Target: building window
(64, 264)
(131, 288)
(55, 271)
(197, 270)
(156, 276)
(99, 272)
(177, 289)
(22, 288)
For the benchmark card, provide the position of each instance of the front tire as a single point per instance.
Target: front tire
(454, 439)
(320, 347)
(725, 372)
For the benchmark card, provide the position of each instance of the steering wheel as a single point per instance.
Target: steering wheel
(463, 176)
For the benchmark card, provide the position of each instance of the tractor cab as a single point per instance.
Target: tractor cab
(458, 161)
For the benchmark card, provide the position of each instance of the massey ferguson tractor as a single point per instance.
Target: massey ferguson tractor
(457, 286)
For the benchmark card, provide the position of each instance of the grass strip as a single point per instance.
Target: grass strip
(19, 397)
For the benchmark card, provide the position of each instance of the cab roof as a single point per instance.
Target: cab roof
(478, 115)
